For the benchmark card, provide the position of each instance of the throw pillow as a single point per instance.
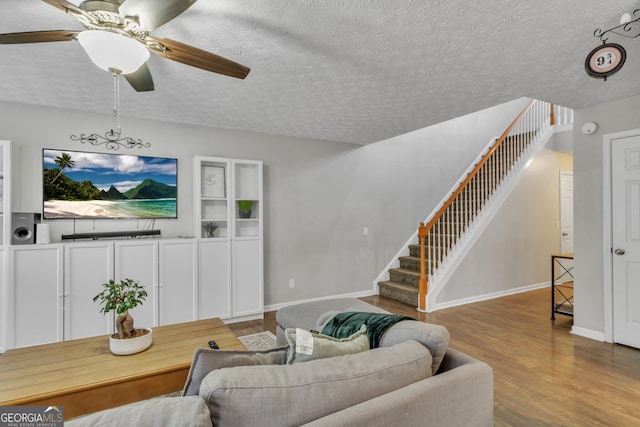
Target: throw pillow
(206, 360)
(434, 337)
(305, 345)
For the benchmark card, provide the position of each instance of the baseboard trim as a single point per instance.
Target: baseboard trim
(274, 307)
(228, 320)
(588, 333)
(489, 296)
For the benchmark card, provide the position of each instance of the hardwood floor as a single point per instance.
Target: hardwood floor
(543, 375)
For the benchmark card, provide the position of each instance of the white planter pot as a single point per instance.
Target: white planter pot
(131, 345)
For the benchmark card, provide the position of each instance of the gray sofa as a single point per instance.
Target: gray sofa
(413, 378)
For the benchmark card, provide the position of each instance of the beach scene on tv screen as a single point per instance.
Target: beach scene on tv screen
(102, 185)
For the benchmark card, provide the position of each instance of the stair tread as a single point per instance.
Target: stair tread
(410, 257)
(405, 271)
(401, 286)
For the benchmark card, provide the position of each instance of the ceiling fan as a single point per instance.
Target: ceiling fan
(130, 21)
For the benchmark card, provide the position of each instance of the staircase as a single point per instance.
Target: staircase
(459, 211)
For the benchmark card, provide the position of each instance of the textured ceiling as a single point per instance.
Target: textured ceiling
(356, 71)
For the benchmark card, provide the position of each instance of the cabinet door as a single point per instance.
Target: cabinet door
(5, 193)
(4, 320)
(138, 260)
(86, 267)
(37, 295)
(247, 277)
(177, 281)
(214, 286)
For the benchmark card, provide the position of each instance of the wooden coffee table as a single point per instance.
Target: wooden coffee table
(83, 376)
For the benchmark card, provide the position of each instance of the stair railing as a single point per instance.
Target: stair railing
(447, 225)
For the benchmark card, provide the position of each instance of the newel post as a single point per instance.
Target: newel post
(553, 115)
(422, 284)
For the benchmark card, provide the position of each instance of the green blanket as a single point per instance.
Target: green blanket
(344, 325)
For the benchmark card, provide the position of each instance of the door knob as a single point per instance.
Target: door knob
(619, 252)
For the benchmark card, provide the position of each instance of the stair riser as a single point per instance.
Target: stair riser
(414, 265)
(415, 251)
(395, 294)
(406, 279)
(433, 247)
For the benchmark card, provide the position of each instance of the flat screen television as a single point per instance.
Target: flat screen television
(83, 185)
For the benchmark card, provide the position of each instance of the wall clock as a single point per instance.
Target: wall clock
(605, 60)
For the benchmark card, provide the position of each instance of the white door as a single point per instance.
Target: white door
(566, 212)
(625, 180)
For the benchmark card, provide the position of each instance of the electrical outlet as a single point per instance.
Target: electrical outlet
(365, 231)
(292, 283)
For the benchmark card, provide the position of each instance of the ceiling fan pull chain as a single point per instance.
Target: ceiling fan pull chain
(116, 99)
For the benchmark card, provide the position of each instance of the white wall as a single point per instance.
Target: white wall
(318, 195)
(590, 249)
(515, 249)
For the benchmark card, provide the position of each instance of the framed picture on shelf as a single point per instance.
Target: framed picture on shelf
(213, 181)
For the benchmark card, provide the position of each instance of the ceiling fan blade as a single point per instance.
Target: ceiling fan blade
(154, 13)
(141, 79)
(38, 37)
(199, 58)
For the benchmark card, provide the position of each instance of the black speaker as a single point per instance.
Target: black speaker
(23, 228)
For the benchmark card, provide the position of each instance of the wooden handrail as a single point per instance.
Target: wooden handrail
(479, 166)
(423, 230)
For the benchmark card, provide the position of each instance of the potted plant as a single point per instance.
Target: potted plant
(210, 228)
(122, 297)
(244, 208)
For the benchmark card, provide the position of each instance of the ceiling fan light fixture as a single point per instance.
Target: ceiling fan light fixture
(111, 51)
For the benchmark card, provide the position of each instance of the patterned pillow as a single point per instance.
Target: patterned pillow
(305, 345)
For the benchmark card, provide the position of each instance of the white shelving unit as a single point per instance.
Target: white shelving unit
(231, 260)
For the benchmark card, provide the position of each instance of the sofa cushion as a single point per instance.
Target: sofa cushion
(296, 394)
(206, 360)
(305, 345)
(434, 337)
(162, 411)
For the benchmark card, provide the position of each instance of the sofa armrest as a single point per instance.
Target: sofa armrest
(453, 359)
(461, 394)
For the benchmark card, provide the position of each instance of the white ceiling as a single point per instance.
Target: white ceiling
(356, 71)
